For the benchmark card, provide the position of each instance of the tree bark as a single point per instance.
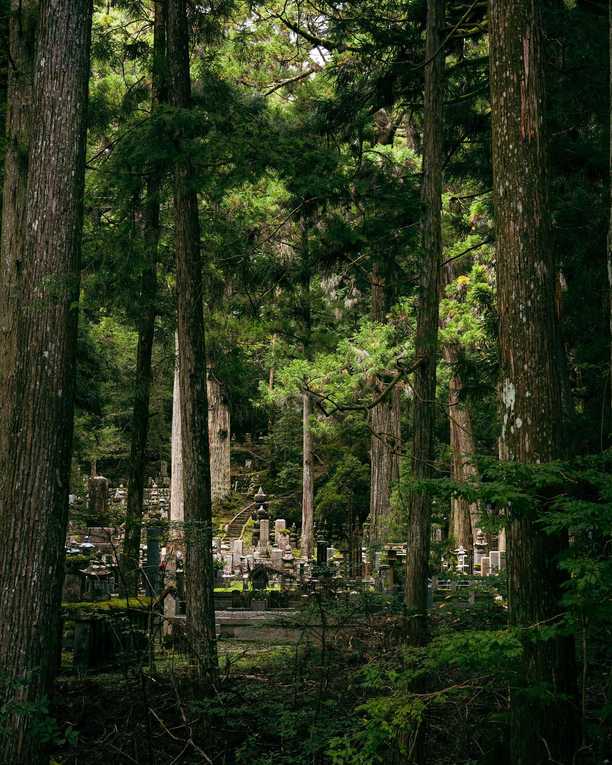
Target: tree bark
(199, 572)
(219, 439)
(531, 367)
(307, 538)
(39, 289)
(307, 542)
(146, 328)
(465, 516)
(385, 448)
(610, 223)
(22, 33)
(385, 439)
(177, 510)
(426, 342)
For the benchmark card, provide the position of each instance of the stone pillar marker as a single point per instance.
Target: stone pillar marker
(280, 530)
(97, 489)
(237, 549)
(322, 547)
(494, 557)
(485, 565)
(153, 560)
(264, 536)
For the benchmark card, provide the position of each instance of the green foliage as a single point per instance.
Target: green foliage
(41, 725)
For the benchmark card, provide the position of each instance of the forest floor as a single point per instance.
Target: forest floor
(357, 694)
(274, 704)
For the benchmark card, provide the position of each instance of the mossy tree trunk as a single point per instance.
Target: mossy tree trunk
(199, 571)
(307, 538)
(219, 438)
(426, 342)
(530, 389)
(146, 325)
(39, 291)
(385, 438)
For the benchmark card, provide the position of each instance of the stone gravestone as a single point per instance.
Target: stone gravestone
(72, 589)
(322, 549)
(153, 560)
(264, 536)
(494, 557)
(485, 565)
(97, 490)
(237, 550)
(259, 577)
(279, 531)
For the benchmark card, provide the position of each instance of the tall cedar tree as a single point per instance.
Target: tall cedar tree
(307, 537)
(531, 368)
(610, 223)
(426, 341)
(385, 439)
(199, 572)
(464, 518)
(39, 290)
(148, 308)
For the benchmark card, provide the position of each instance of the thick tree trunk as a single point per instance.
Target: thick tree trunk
(419, 521)
(146, 328)
(610, 223)
(177, 510)
(219, 439)
(465, 516)
(39, 286)
(307, 538)
(385, 448)
(307, 542)
(199, 572)
(23, 29)
(385, 439)
(531, 369)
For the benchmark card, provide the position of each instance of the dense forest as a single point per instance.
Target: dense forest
(305, 382)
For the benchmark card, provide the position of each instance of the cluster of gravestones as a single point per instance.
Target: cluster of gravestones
(93, 555)
(99, 499)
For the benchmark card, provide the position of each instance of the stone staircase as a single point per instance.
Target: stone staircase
(235, 526)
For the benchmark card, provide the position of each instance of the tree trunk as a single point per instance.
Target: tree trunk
(531, 367)
(23, 29)
(307, 538)
(219, 439)
(426, 342)
(465, 516)
(177, 510)
(385, 438)
(199, 572)
(39, 287)
(146, 328)
(385, 448)
(307, 543)
(610, 223)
